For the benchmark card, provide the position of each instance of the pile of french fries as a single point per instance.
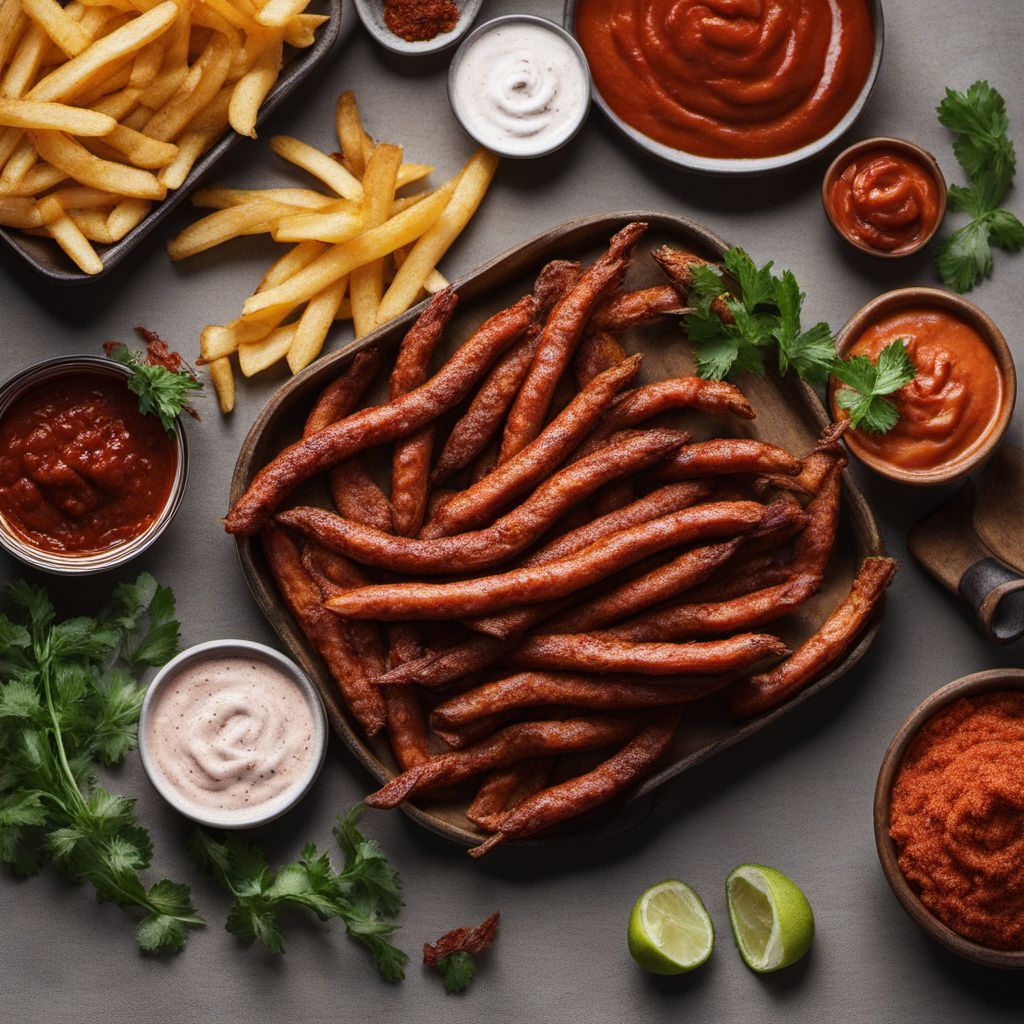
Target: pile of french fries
(357, 251)
(106, 105)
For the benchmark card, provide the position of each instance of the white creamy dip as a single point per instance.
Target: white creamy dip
(231, 736)
(520, 89)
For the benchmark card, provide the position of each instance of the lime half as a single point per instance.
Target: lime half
(669, 929)
(770, 916)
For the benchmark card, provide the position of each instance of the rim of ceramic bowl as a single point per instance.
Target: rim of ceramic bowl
(975, 684)
(890, 302)
(745, 167)
(262, 814)
(922, 155)
(529, 19)
(111, 558)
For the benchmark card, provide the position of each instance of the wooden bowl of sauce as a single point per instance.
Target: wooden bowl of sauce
(956, 411)
(87, 482)
(959, 749)
(885, 196)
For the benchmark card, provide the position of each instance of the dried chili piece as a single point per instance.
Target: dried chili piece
(452, 955)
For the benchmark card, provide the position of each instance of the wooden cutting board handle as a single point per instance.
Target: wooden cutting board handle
(946, 544)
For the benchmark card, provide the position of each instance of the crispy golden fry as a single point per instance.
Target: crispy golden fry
(319, 164)
(55, 21)
(412, 275)
(69, 237)
(337, 224)
(258, 355)
(367, 284)
(252, 88)
(219, 198)
(19, 212)
(350, 133)
(69, 156)
(314, 324)
(141, 149)
(127, 216)
(224, 225)
(202, 83)
(277, 13)
(58, 116)
(223, 383)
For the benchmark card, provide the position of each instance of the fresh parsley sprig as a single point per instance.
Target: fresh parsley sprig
(765, 315)
(865, 385)
(365, 895)
(69, 699)
(163, 392)
(985, 151)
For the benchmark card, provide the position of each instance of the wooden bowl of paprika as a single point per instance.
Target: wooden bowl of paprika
(946, 798)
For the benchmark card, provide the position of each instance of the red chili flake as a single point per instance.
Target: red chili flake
(462, 940)
(416, 21)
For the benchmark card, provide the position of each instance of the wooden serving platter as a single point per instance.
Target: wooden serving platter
(788, 413)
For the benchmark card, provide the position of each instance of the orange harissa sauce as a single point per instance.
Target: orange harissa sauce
(886, 200)
(957, 818)
(948, 410)
(728, 78)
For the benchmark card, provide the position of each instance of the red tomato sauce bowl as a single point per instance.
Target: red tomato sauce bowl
(87, 482)
(721, 87)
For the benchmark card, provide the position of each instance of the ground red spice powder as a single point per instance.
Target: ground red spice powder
(957, 818)
(416, 21)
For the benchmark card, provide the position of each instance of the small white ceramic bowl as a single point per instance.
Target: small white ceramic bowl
(261, 814)
(371, 13)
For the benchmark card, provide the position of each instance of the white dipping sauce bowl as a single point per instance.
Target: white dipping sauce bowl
(466, 115)
(261, 814)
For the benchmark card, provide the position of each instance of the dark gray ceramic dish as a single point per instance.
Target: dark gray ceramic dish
(44, 256)
(760, 165)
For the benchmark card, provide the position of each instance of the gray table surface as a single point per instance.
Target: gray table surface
(798, 796)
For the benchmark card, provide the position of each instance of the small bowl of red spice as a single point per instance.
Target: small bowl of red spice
(417, 27)
(885, 196)
(949, 817)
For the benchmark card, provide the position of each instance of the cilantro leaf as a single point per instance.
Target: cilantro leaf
(365, 895)
(67, 701)
(985, 151)
(866, 384)
(457, 970)
(162, 392)
(756, 285)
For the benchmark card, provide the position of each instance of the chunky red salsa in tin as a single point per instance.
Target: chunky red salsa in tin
(81, 469)
(729, 78)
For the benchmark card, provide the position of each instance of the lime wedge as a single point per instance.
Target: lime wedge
(669, 929)
(770, 916)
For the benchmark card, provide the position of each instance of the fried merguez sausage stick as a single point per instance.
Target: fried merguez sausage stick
(406, 724)
(727, 456)
(440, 668)
(756, 609)
(342, 396)
(823, 649)
(561, 335)
(410, 461)
(598, 352)
(356, 495)
(678, 267)
(483, 501)
(506, 788)
(380, 424)
(598, 652)
(508, 536)
(305, 602)
(572, 798)
(577, 690)
(661, 584)
(463, 598)
(482, 420)
(512, 744)
(633, 309)
(553, 281)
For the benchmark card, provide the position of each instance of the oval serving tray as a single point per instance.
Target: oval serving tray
(788, 413)
(45, 257)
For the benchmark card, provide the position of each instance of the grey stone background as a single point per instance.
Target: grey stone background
(798, 796)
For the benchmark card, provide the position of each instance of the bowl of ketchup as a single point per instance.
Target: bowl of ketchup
(885, 196)
(956, 410)
(87, 481)
(721, 87)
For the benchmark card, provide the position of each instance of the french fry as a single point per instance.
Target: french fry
(291, 263)
(300, 32)
(334, 225)
(350, 133)
(320, 165)
(314, 325)
(73, 77)
(25, 63)
(55, 21)
(42, 177)
(472, 185)
(277, 13)
(126, 216)
(191, 146)
(224, 225)
(219, 198)
(68, 236)
(58, 116)
(19, 212)
(12, 25)
(410, 173)
(223, 379)
(345, 257)
(20, 163)
(69, 156)
(367, 283)
(92, 224)
(435, 282)
(251, 90)
(141, 149)
(257, 356)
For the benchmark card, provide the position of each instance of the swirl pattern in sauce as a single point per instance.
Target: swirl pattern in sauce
(728, 78)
